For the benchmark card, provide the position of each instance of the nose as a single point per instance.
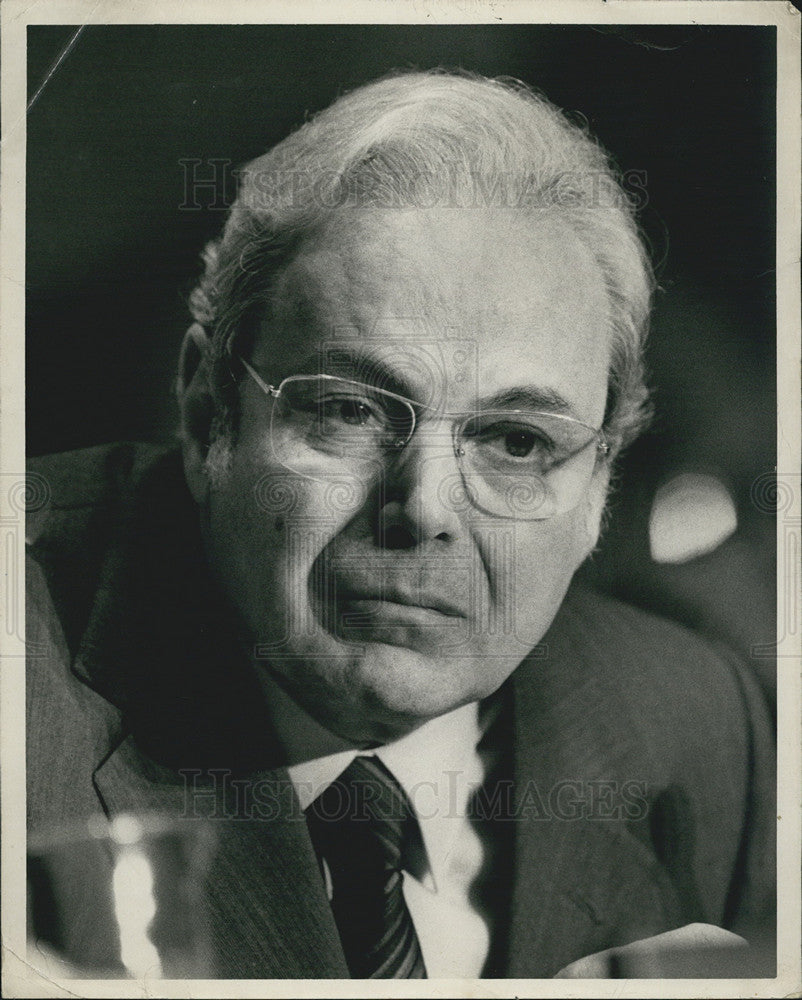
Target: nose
(415, 505)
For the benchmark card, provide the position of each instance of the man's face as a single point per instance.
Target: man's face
(377, 596)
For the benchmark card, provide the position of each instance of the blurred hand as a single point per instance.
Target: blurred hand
(694, 951)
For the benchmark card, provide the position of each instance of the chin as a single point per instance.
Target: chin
(385, 691)
(406, 680)
(402, 688)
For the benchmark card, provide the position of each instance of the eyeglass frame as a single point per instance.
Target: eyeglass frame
(603, 447)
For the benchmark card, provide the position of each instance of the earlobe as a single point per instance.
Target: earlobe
(592, 531)
(196, 408)
(195, 472)
(594, 506)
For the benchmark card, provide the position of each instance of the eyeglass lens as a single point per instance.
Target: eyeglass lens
(518, 465)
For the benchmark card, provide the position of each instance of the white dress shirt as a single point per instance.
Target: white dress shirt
(438, 765)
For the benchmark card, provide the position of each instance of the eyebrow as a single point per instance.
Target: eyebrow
(528, 397)
(358, 365)
(362, 366)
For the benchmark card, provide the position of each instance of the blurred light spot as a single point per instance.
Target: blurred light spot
(126, 829)
(135, 908)
(692, 514)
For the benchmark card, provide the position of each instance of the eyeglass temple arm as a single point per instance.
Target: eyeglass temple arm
(268, 390)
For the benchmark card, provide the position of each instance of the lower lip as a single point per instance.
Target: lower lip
(363, 613)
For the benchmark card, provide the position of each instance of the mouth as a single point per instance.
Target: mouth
(392, 602)
(429, 626)
(369, 617)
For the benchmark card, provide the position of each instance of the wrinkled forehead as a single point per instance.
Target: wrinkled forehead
(445, 306)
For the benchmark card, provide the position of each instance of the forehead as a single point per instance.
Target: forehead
(461, 303)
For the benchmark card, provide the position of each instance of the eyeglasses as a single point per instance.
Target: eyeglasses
(520, 464)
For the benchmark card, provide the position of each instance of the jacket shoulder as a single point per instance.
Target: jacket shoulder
(636, 652)
(682, 699)
(652, 700)
(78, 501)
(73, 481)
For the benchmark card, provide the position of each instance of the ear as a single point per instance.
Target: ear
(595, 503)
(197, 409)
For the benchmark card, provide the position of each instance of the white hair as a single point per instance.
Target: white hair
(423, 139)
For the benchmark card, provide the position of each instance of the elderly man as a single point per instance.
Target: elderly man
(346, 632)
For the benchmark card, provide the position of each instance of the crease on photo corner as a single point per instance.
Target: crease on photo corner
(28, 974)
(54, 68)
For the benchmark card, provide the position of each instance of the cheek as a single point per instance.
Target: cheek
(529, 568)
(266, 529)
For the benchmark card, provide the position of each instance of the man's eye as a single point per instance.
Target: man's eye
(515, 441)
(350, 410)
(519, 443)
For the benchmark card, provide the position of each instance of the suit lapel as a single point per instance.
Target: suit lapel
(266, 901)
(161, 646)
(581, 882)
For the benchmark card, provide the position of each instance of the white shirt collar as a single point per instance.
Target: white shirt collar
(438, 765)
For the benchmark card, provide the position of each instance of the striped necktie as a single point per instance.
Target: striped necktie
(363, 825)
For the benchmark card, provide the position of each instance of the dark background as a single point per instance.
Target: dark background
(113, 248)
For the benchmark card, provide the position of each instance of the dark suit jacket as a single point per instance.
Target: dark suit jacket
(134, 676)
